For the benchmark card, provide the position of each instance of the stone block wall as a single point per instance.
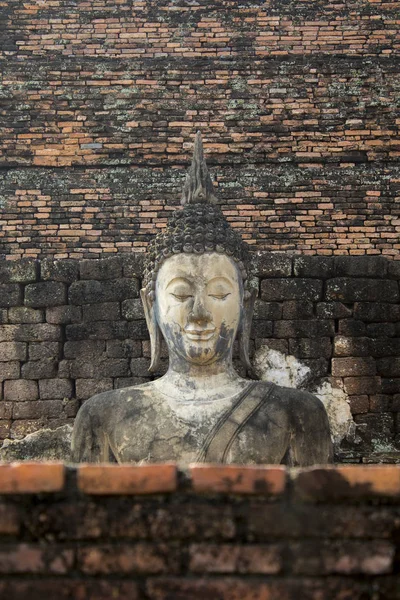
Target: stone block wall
(71, 329)
(210, 533)
(297, 102)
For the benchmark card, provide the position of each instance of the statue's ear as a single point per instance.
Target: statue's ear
(154, 330)
(244, 332)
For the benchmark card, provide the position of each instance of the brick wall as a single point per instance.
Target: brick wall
(297, 102)
(71, 329)
(212, 533)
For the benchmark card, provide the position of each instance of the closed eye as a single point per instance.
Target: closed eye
(180, 297)
(219, 296)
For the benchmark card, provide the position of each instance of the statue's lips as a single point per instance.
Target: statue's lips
(199, 334)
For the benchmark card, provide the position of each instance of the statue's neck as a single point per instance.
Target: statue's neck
(201, 383)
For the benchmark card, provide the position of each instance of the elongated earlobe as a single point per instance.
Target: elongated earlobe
(244, 332)
(154, 330)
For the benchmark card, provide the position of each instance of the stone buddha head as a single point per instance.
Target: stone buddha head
(196, 290)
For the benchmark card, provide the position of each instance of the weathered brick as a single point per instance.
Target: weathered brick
(55, 388)
(238, 480)
(271, 311)
(140, 367)
(85, 388)
(63, 315)
(12, 351)
(22, 271)
(229, 558)
(31, 478)
(39, 369)
(123, 349)
(291, 289)
(10, 295)
(133, 558)
(109, 268)
(351, 346)
(37, 409)
(333, 310)
(132, 309)
(274, 265)
(362, 290)
(377, 311)
(311, 348)
(313, 266)
(65, 271)
(84, 350)
(38, 332)
(45, 294)
(106, 311)
(20, 390)
(389, 367)
(353, 367)
(41, 350)
(297, 310)
(24, 314)
(124, 479)
(303, 329)
(92, 292)
(360, 266)
(354, 386)
(29, 558)
(133, 264)
(10, 370)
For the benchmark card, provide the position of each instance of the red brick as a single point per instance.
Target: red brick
(346, 481)
(31, 478)
(233, 479)
(29, 558)
(133, 558)
(229, 558)
(127, 479)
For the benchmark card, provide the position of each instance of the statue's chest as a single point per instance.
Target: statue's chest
(174, 439)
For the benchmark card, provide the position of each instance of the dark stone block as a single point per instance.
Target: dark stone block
(313, 266)
(389, 367)
(381, 330)
(319, 367)
(140, 367)
(39, 369)
(65, 271)
(84, 350)
(380, 347)
(124, 349)
(50, 389)
(23, 314)
(359, 404)
(12, 351)
(351, 346)
(105, 268)
(291, 289)
(123, 382)
(390, 386)
(85, 388)
(311, 348)
(292, 309)
(380, 403)
(352, 327)
(133, 264)
(45, 294)
(333, 310)
(39, 332)
(271, 344)
(361, 266)
(21, 271)
(270, 311)
(355, 386)
(106, 311)
(353, 367)
(137, 330)
(100, 330)
(261, 329)
(273, 265)
(377, 312)
(132, 309)
(10, 295)
(358, 290)
(92, 292)
(39, 350)
(10, 370)
(303, 329)
(376, 430)
(109, 367)
(4, 316)
(394, 269)
(38, 409)
(64, 315)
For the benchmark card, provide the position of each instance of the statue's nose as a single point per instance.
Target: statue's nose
(199, 311)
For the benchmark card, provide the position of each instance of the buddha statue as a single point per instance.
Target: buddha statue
(198, 297)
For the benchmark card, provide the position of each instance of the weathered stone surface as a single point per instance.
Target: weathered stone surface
(20, 390)
(10, 295)
(42, 350)
(45, 293)
(23, 314)
(133, 264)
(389, 367)
(38, 409)
(39, 369)
(85, 388)
(10, 370)
(303, 329)
(124, 349)
(65, 271)
(377, 311)
(55, 388)
(24, 271)
(132, 309)
(86, 350)
(270, 311)
(91, 292)
(292, 309)
(351, 346)
(63, 315)
(12, 351)
(44, 444)
(106, 311)
(291, 289)
(364, 266)
(311, 348)
(313, 266)
(333, 310)
(353, 367)
(348, 289)
(273, 265)
(109, 268)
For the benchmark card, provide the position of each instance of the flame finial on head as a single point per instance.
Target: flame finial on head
(198, 188)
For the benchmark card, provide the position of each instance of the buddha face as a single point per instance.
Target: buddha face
(199, 305)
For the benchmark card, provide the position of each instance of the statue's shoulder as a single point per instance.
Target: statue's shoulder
(106, 406)
(299, 406)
